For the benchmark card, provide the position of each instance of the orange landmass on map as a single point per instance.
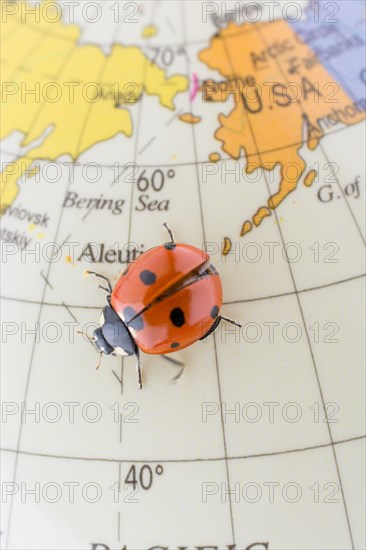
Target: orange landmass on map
(246, 227)
(214, 157)
(189, 118)
(309, 178)
(283, 98)
(262, 212)
(226, 246)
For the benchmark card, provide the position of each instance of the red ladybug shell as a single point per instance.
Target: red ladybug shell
(169, 297)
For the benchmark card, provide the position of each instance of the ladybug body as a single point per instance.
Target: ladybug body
(167, 299)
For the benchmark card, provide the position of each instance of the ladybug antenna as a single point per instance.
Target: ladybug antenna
(91, 340)
(109, 286)
(169, 231)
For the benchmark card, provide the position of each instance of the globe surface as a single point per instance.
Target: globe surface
(242, 127)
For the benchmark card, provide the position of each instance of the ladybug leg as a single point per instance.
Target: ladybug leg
(231, 321)
(109, 289)
(138, 366)
(175, 361)
(100, 359)
(170, 232)
(211, 329)
(216, 324)
(179, 375)
(177, 364)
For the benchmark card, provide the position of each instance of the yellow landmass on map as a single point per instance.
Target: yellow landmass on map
(226, 246)
(149, 30)
(280, 92)
(80, 95)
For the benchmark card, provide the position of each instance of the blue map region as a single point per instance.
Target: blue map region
(335, 31)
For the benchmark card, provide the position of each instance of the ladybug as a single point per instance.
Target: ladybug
(167, 299)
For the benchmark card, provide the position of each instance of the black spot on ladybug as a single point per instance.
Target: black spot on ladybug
(177, 317)
(174, 345)
(128, 314)
(214, 312)
(137, 324)
(147, 277)
(170, 246)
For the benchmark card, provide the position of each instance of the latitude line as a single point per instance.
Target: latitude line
(229, 159)
(245, 301)
(22, 69)
(308, 337)
(137, 44)
(231, 302)
(64, 64)
(188, 460)
(188, 72)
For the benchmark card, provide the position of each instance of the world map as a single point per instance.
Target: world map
(242, 126)
(305, 69)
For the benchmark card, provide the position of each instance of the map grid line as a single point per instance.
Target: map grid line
(194, 141)
(296, 293)
(283, 72)
(188, 460)
(65, 62)
(129, 230)
(224, 41)
(175, 164)
(230, 302)
(63, 65)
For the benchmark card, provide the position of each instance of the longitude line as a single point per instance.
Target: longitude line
(308, 338)
(183, 15)
(63, 66)
(135, 156)
(66, 60)
(137, 130)
(44, 35)
(321, 146)
(341, 190)
(293, 282)
(36, 44)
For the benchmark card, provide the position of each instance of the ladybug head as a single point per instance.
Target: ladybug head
(113, 336)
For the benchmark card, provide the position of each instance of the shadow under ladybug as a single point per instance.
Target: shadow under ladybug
(167, 299)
